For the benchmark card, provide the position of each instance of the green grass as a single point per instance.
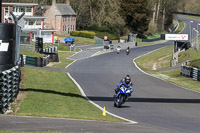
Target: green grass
(190, 54)
(60, 47)
(82, 40)
(53, 94)
(156, 35)
(78, 40)
(188, 16)
(163, 56)
(63, 62)
(175, 77)
(196, 63)
(156, 60)
(34, 54)
(181, 26)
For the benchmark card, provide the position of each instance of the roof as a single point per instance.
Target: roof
(20, 4)
(34, 17)
(65, 9)
(42, 30)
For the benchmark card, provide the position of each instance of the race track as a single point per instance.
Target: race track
(154, 102)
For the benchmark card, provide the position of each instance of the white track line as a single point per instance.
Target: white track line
(96, 105)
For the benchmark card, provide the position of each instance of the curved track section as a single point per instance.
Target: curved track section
(154, 101)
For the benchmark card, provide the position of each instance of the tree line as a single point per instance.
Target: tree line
(124, 16)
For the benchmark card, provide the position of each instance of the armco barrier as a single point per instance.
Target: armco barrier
(9, 87)
(191, 72)
(36, 61)
(50, 50)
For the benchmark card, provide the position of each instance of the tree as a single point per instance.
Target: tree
(136, 15)
(103, 14)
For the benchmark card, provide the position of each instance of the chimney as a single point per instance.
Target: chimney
(53, 2)
(68, 2)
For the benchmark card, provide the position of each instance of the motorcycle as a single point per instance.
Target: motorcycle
(127, 52)
(121, 96)
(118, 49)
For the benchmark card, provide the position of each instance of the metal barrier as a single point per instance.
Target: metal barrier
(191, 72)
(36, 61)
(9, 87)
(50, 50)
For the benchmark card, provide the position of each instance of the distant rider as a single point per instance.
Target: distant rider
(127, 50)
(125, 82)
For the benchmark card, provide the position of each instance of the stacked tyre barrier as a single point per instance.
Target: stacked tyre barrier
(191, 72)
(196, 74)
(50, 50)
(36, 61)
(9, 87)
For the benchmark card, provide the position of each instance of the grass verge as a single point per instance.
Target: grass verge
(175, 77)
(34, 54)
(188, 16)
(181, 26)
(78, 40)
(160, 56)
(53, 94)
(63, 62)
(156, 60)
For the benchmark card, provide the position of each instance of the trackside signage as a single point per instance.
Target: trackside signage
(176, 37)
(3, 46)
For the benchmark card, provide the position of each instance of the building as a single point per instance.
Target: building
(32, 25)
(60, 17)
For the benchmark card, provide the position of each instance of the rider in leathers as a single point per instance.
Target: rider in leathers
(126, 82)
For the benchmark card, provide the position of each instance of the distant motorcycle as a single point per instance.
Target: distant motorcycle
(121, 96)
(118, 49)
(127, 51)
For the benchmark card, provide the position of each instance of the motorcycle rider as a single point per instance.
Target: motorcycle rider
(118, 49)
(127, 50)
(126, 82)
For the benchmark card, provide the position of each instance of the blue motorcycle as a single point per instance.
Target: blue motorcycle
(121, 96)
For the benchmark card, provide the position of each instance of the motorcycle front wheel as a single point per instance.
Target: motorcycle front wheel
(120, 101)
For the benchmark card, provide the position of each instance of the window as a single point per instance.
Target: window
(71, 27)
(68, 29)
(21, 9)
(14, 9)
(28, 9)
(38, 22)
(30, 22)
(69, 19)
(6, 11)
(63, 28)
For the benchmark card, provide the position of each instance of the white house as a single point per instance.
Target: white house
(30, 23)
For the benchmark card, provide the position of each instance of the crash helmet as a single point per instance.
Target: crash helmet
(127, 79)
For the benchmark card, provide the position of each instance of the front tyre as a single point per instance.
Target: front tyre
(120, 101)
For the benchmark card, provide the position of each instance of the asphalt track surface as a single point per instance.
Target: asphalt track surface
(157, 106)
(154, 101)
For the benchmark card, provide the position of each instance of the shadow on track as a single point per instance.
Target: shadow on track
(149, 100)
(53, 92)
(142, 100)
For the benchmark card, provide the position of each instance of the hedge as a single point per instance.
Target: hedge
(110, 36)
(86, 34)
